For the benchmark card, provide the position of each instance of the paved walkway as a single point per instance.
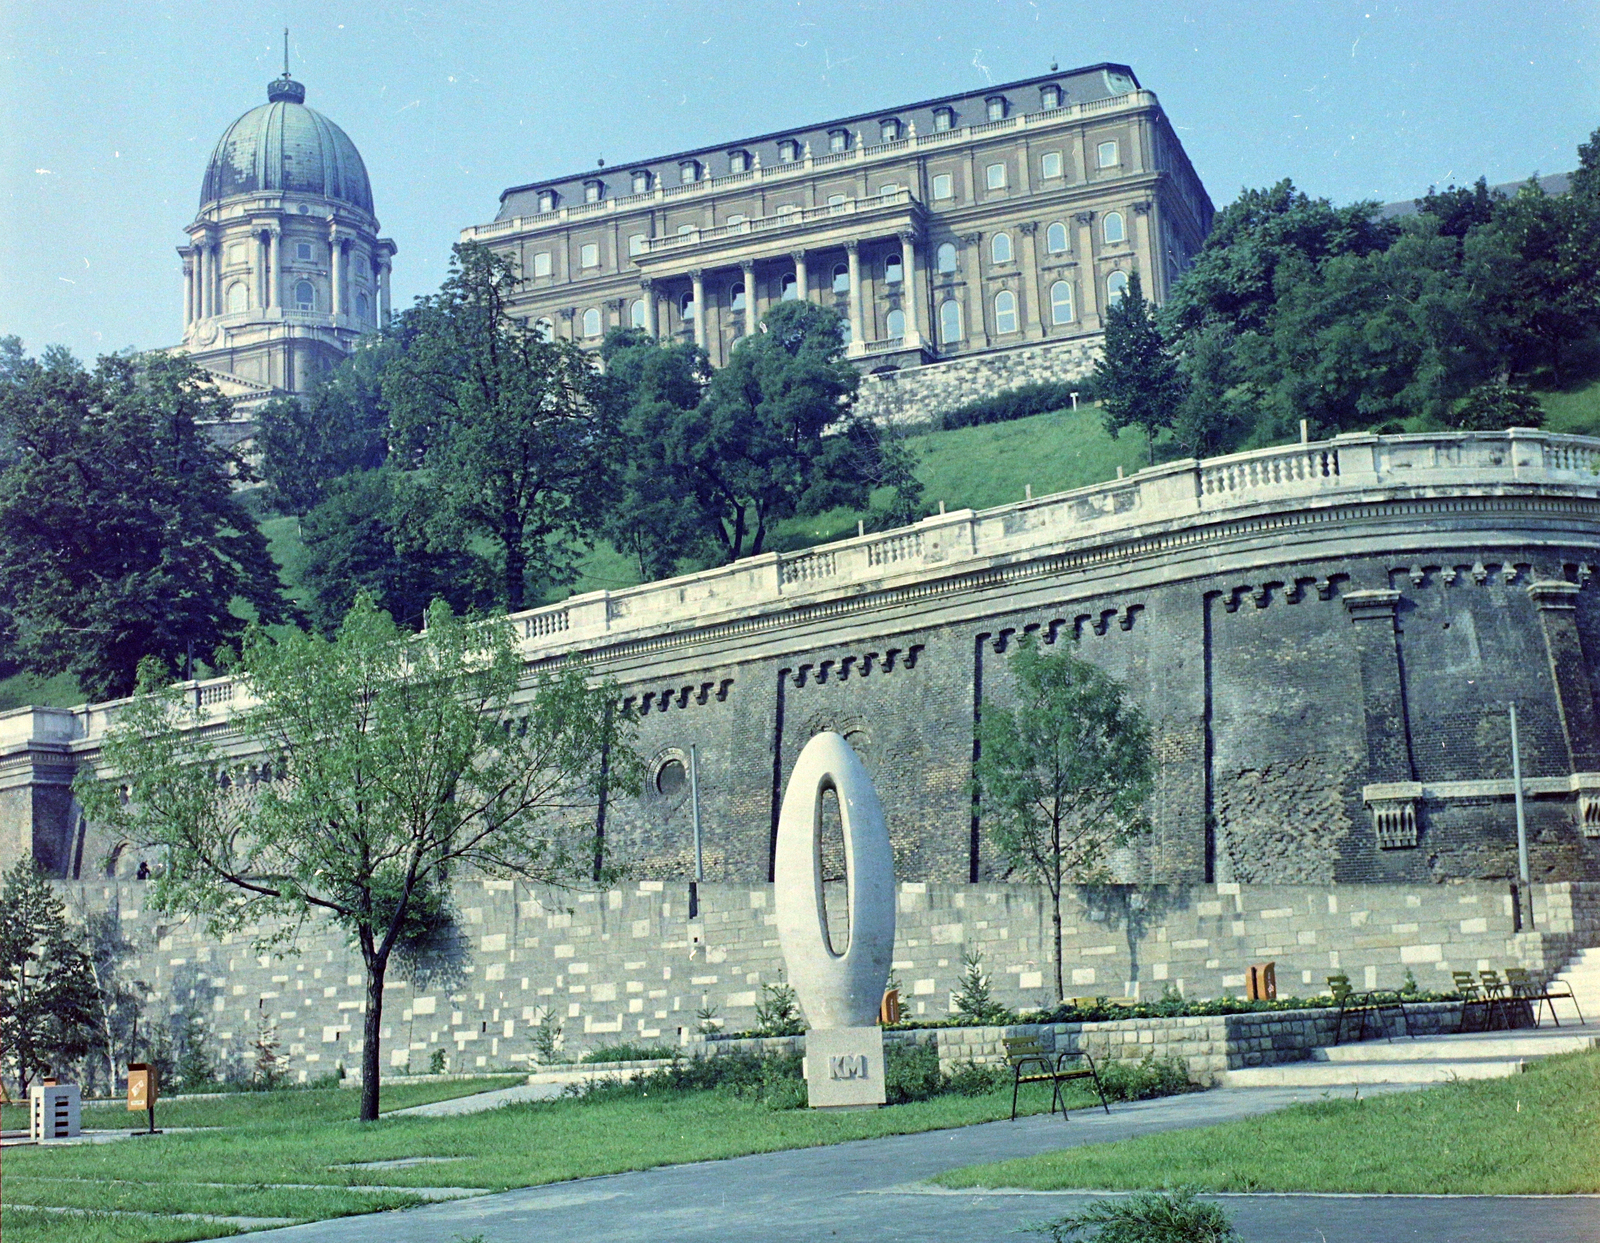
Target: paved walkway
(874, 1191)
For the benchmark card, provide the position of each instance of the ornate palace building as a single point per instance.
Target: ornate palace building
(284, 270)
(995, 225)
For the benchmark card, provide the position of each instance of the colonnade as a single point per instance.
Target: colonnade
(202, 274)
(752, 269)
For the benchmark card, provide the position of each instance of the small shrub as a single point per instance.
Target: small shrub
(326, 1081)
(1145, 1217)
(773, 1079)
(778, 1011)
(974, 1001)
(547, 1038)
(1018, 403)
(626, 1052)
(911, 1073)
(436, 1062)
(706, 1021)
(1496, 406)
(1142, 1081)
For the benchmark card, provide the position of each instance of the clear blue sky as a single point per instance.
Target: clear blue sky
(108, 112)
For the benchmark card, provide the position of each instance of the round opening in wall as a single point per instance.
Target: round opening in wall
(671, 777)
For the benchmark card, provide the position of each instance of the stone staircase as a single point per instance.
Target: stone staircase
(1443, 1059)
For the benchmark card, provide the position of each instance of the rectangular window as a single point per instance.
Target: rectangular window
(688, 172)
(547, 200)
(638, 243)
(302, 250)
(591, 254)
(834, 200)
(1050, 164)
(1108, 154)
(944, 186)
(541, 263)
(838, 140)
(996, 106)
(995, 176)
(641, 181)
(943, 119)
(788, 151)
(734, 219)
(1050, 98)
(738, 161)
(888, 131)
(592, 191)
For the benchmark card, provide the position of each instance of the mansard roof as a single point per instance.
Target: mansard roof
(1078, 86)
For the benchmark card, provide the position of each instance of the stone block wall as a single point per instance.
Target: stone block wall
(921, 394)
(630, 965)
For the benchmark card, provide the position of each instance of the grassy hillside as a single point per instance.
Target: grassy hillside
(970, 466)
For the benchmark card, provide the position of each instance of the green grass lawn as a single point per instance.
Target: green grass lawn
(1531, 1134)
(292, 1157)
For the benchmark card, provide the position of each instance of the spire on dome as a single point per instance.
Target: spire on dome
(285, 88)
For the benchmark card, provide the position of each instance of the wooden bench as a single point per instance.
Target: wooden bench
(1031, 1064)
(1375, 1003)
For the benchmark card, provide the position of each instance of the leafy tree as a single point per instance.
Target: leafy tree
(121, 536)
(117, 1003)
(371, 534)
(396, 763)
(341, 426)
(1136, 379)
(655, 389)
(1459, 209)
(1065, 776)
(1495, 406)
(513, 431)
(49, 1006)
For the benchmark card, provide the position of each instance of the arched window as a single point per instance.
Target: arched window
(686, 306)
(1111, 227)
(1116, 287)
(841, 278)
(305, 297)
(544, 330)
(238, 297)
(736, 300)
(361, 307)
(1000, 248)
(895, 323)
(949, 321)
(591, 322)
(893, 270)
(1061, 303)
(637, 243)
(790, 291)
(1005, 311)
(1055, 238)
(946, 259)
(638, 315)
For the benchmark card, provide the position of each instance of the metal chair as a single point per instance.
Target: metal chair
(1023, 1052)
(1524, 989)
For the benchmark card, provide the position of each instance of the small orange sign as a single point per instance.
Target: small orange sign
(141, 1087)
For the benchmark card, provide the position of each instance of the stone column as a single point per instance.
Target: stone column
(652, 321)
(857, 333)
(1034, 321)
(802, 287)
(274, 265)
(383, 293)
(977, 324)
(750, 313)
(208, 280)
(1557, 603)
(1146, 257)
(698, 283)
(259, 270)
(911, 274)
(1088, 281)
(188, 291)
(336, 266)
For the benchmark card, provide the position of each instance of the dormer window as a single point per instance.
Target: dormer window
(689, 172)
(996, 106)
(1049, 98)
(547, 200)
(943, 119)
(889, 129)
(594, 191)
(788, 151)
(838, 140)
(738, 161)
(641, 181)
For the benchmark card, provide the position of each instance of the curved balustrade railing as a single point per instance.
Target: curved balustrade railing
(1343, 470)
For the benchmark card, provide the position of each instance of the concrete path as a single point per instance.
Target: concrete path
(480, 1101)
(873, 1191)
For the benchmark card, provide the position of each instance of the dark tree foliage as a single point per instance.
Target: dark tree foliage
(121, 536)
(371, 535)
(512, 431)
(49, 1005)
(1495, 406)
(1460, 208)
(773, 435)
(655, 388)
(341, 426)
(1136, 378)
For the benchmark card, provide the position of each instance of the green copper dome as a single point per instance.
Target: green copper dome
(285, 146)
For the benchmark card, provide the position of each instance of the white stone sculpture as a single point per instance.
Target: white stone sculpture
(840, 993)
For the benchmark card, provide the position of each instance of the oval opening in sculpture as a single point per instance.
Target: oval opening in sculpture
(833, 864)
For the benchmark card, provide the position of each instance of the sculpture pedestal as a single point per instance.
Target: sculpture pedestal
(844, 1067)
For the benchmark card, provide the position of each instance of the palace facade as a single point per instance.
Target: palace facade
(962, 227)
